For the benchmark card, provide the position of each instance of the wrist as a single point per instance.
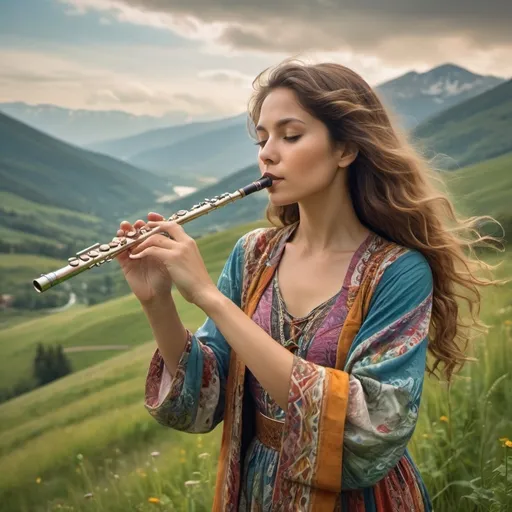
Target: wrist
(157, 302)
(208, 299)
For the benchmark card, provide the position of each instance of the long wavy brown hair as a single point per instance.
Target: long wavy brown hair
(396, 193)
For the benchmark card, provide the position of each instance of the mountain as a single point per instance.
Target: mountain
(472, 131)
(216, 153)
(44, 170)
(223, 146)
(81, 126)
(417, 96)
(127, 148)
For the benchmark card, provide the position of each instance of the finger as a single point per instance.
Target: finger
(155, 216)
(126, 226)
(139, 223)
(172, 228)
(159, 252)
(153, 241)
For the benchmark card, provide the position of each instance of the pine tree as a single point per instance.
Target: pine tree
(62, 363)
(50, 364)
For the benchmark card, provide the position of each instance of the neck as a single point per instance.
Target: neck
(328, 222)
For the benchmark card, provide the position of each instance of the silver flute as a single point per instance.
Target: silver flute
(97, 254)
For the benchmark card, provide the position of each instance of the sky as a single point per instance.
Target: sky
(200, 57)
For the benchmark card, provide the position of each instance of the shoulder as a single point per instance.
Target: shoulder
(255, 243)
(404, 273)
(409, 263)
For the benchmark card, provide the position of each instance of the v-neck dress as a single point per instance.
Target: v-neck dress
(318, 345)
(386, 365)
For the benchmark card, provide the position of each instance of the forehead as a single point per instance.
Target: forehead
(279, 103)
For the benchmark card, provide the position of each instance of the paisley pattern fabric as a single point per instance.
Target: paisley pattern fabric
(354, 393)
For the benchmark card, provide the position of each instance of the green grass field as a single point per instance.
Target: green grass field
(85, 442)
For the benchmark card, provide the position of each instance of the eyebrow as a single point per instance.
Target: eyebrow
(280, 123)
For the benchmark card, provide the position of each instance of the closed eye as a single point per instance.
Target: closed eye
(295, 138)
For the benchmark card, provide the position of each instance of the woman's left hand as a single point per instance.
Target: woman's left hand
(181, 257)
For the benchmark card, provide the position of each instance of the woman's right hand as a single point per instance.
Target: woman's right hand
(147, 277)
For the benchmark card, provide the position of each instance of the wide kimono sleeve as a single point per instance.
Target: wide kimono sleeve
(193, 400)
(347, 429)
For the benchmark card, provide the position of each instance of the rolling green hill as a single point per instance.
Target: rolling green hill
(119, 321)
(47, 171)
(473, 131)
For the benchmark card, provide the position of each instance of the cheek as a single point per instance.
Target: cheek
(311, 158)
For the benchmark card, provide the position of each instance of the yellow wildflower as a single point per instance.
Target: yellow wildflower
(154, 500)
(38, 480)
(508, 322)
(503, 439)
(425, 436)
(182, 452)
(444, 418)
(182, 460)
(508, 443)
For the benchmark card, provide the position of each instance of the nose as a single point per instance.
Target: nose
(268, 154)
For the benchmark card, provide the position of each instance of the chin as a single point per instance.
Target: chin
(275, 200)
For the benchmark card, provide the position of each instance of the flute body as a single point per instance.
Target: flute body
(97, 254)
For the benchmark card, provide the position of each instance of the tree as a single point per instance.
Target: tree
(50, 364)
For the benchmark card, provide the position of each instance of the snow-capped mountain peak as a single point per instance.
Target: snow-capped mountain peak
(416, 96)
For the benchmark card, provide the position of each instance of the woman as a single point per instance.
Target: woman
(314, 348)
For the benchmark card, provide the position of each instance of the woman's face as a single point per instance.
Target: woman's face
(298, 151)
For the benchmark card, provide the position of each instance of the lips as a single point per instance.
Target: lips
(270, 175)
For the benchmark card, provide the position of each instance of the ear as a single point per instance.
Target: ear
(348, 153)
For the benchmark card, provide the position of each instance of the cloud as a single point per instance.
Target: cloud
(319, 25)
(130, 93)
(47, 78)
(399, 33)
(226, 76)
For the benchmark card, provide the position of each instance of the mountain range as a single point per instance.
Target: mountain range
(225, 146)
(413, 96)
(82, 126)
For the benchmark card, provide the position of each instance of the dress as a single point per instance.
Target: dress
(386, 377)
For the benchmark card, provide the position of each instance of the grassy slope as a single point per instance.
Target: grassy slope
(22, 220)
(119, 321)
(484, 188)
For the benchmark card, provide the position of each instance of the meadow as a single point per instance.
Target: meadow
(86, 443)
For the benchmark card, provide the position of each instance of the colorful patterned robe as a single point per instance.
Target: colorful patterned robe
(350, 415)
